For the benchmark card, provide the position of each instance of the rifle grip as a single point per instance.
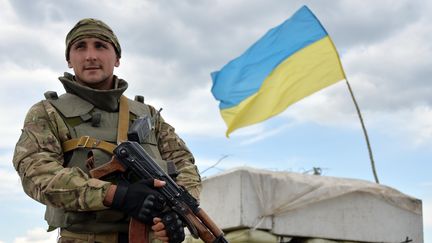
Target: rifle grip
(111, 166)
(138, 232)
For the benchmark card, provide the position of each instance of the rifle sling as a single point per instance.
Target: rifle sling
(88, 142)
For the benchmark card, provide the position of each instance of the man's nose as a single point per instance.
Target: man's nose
(91, 54)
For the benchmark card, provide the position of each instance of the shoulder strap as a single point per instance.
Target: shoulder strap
(123, 122)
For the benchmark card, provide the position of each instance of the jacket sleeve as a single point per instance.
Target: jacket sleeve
(173, 148)
(38, 159)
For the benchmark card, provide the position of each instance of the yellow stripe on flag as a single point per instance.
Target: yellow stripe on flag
(305, 72)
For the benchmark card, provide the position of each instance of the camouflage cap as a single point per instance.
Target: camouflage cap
(90, 27)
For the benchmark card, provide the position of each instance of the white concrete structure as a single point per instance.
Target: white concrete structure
(292, 204)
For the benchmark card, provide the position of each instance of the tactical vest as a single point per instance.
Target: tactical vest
(93, 130)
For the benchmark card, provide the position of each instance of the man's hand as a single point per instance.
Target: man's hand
(169, 228)
(139, 200)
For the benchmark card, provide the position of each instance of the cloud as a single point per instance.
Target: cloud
(10, 183)
(10, 186)
(37, 235)
(34, 44)
(236, 154)
(194, 113)
(393, 74)
(411, 125)
(21, 88)
(362, 24)
(186, 41)
(181, 52)
(389, 77)
(258, 132)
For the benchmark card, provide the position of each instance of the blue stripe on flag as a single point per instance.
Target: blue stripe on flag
(243, 76)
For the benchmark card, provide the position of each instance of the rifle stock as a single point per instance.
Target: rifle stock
(138, 232)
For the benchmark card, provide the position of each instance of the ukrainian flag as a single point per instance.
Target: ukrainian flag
(290, 62)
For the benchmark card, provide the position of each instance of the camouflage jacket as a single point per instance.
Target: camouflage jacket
(38, 159)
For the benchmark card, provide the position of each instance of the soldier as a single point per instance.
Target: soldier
(65, 136)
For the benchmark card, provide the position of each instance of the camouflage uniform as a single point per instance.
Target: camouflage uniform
(40, 162)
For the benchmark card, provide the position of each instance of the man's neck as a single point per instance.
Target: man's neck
(106, 84)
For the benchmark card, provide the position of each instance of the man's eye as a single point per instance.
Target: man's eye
(79, 46)
(100, 45)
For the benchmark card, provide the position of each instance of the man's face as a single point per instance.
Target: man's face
(93, 61)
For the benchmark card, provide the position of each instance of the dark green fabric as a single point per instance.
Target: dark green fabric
(104, 99)
(89, 27)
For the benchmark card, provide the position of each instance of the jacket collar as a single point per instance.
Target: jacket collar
(104, 99)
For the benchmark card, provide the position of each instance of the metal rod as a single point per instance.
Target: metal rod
(364, 132)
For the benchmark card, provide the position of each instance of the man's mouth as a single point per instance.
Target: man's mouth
(92, 67)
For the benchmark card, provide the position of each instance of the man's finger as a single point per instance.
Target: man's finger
(160, 234)
(156, 220)
(158, 227)
(158, 183)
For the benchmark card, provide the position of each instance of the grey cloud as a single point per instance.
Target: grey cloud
(28, 54)
(358, 22)
(394, 79)
(35, 13)
(197, 38)
(174, 45)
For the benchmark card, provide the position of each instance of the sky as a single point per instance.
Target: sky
(169, 49)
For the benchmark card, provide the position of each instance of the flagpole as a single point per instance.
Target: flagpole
(364, 132)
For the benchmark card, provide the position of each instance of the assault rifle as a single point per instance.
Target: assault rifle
(130, 157)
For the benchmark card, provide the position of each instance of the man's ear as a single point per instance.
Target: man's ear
(69, 64)
(117, 63)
